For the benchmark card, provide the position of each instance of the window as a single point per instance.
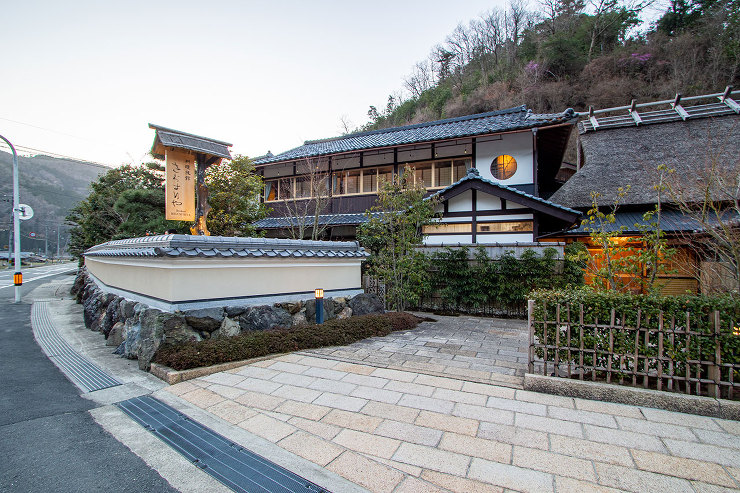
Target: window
(503, 167)
(446, 228)
(443, 173)
(303, 187)
(460, 168)
(506, 227)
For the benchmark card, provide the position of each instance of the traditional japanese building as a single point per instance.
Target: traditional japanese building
(516, 155)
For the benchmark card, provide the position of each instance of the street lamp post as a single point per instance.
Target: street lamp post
(18, 275)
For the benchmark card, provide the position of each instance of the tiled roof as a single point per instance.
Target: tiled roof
(181, 140)
(474, 174)
(323, 220)
(483, 123)
(219, 246)
(670, 221)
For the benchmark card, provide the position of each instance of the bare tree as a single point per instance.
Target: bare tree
(420, 79)
(309, 201)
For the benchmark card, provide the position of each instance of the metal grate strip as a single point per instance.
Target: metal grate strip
(236, 467)
(81, 371)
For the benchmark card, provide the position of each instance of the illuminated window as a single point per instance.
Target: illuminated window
(506, 227)
(446, 228)
(503, 167)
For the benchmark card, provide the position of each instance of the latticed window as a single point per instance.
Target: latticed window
(503, 167)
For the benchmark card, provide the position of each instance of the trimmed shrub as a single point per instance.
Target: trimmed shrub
(336, 332)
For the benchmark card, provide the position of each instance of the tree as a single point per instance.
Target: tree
(311, 199)
(233, 194)
(96, 219)
(393, 230)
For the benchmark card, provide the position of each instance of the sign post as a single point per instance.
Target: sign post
(18, 275)
(179, 185)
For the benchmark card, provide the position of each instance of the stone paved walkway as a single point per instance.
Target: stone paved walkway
(484, 350)
(405, 431)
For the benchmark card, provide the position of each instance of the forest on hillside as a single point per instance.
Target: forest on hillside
(560, 54)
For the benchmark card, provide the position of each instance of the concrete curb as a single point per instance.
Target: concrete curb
(176, 376)
(669, 401)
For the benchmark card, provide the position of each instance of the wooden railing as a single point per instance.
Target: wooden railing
(655, 352)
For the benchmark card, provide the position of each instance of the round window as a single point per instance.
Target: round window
(503, 167)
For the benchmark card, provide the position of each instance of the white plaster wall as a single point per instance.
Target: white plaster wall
(487, 202)
(460, 203)
(507, 217)
(201, 279)
(448, 240)
(504, 238)
(518, 145)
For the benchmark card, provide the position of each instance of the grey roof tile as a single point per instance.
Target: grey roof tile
(323, 220)
(517, 118)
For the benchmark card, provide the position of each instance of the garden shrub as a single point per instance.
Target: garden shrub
(335, 332)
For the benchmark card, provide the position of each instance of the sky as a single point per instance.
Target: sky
(84, 78)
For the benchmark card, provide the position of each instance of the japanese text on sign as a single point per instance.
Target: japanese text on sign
(179, 185)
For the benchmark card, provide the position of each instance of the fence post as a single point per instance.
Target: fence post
(714, 369)
(530, 316)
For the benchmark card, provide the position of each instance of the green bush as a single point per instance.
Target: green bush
(597, 311)
(335, 332)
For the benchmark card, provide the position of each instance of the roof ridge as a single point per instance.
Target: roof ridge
(515, 109)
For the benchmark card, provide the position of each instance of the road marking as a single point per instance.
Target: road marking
(49, 274)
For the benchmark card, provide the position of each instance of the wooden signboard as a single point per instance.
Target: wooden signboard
(179, 185)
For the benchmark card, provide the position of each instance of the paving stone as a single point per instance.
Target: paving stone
(508, 476)
(485, 389)
(256, 372)
(231, 411)
(291, 358)
(340, 401)
(547, 399)
(284, 366)
(256, 385)
(376, 394)
(325, 385)
(669, 417)
(390, 411)
(548, 425)
(303, 410)
(401, 376)
(656, 428)
(623, 438)
(310, 447)
(370, 474)
(428, 403)
(424, 367)
(608, 408)
(405, 468)
(700, 487)
(580, 416)
(297, 393)
(410, 388)
(365, 380)
(181, 388)
(260, 401)
(563, 465)
(563, 484)
(353, 368)
(317, 362)
(482, 413)
(293, 379)
(723, 439)
(267, 427)
(456, 483)
(409, 432)
(513, 435)
(633, 480)
(476, 447)
(224, 378)
(444, 422)
(460, 396)
(729, 426)
(439, 382)
(354, 421)
(432, 458)
(202, 398)
(700, 451)
(437, 355)
(325, 373)
(585, 449)
(367, 443)
(515, 405)
(684, 468)
(226, 391)
(413, 485)
(318, 428)
(734, 472)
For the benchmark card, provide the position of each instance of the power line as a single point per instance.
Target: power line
(86, 162)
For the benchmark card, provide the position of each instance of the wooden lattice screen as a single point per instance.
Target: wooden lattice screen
(659, 353)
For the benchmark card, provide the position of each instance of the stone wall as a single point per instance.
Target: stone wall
(137, 330)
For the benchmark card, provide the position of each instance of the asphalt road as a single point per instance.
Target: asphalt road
(31, 278)
(48, 440)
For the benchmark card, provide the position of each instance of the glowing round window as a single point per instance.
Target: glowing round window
(503, 167)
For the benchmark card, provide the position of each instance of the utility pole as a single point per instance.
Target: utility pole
(46, 241)
(18, 275)
(58, 243)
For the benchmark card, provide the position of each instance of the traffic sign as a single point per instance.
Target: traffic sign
(24, 212)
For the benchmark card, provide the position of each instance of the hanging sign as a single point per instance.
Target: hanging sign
(179, 185)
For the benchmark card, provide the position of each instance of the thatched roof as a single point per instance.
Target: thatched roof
(617, 157)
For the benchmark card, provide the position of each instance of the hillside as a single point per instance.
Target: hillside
(571, 54)
(51, 186)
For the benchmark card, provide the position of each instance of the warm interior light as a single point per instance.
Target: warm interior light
(319, 293)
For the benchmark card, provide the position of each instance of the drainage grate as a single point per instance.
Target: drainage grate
(78, 369)
(233, 465)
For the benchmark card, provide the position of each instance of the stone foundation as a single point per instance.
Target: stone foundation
(137, 330)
